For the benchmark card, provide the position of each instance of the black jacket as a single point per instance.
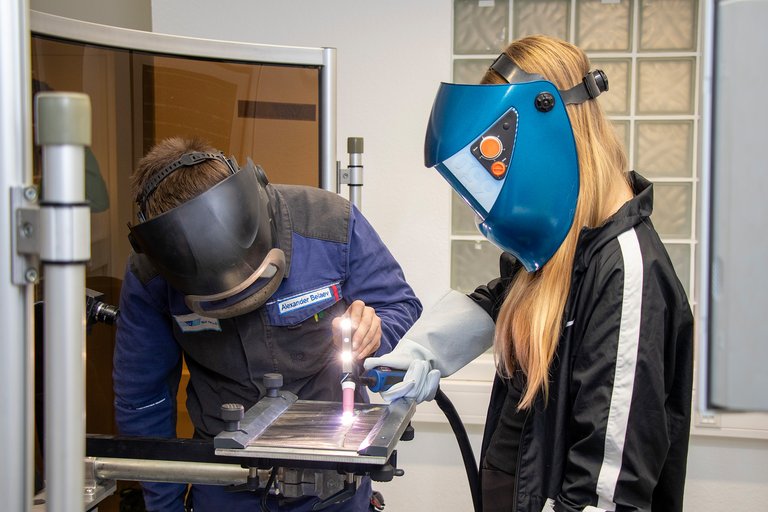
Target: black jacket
(613, 434)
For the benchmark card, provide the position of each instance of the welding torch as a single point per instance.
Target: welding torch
(347, 369)
(377, 379)
(381, 378)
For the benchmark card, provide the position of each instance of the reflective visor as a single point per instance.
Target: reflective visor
(515, 165)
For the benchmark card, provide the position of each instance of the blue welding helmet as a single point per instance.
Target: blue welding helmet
(509, 151)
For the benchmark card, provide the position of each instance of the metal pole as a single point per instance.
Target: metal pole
(355, 169)
(63, 129)
(328, 177)
(352, 176)
(170, 471)
(705, 208)
(16, 310)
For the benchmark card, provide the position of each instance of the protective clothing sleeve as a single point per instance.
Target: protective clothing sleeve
(447, 337)
(375, 277)
(147, 366)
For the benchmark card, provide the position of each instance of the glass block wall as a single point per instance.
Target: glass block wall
(650, 51)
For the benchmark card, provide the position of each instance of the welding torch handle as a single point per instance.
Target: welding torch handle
(382, 378)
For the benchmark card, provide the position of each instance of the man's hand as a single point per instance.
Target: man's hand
(366, 329)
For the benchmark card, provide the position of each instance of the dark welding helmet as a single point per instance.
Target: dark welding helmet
(219, 248)
(508, 150)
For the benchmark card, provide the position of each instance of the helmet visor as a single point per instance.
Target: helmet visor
(213, 243)
(512, 158)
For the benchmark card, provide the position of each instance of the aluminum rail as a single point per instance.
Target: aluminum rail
(117, 37)
(63, 129)
(169, 471)
(705, 213)
(16, 312)
(328, 102)
(328, 485)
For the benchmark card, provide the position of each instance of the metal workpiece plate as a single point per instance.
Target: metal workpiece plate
(315, 431)
(256, 420)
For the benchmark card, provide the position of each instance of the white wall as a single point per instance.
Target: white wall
(135, 14)
(726, 474)
(391, 56)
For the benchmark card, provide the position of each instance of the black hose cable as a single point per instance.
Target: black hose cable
(470, 465)
(270, 483)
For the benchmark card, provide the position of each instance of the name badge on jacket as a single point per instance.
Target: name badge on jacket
(298, 307)
(196, 323)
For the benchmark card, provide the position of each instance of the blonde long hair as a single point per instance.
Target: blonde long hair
(530, 321)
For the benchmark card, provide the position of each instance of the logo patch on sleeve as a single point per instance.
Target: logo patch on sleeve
(195, 323)
(291, 304)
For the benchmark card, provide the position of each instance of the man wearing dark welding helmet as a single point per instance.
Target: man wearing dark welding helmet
(591, 328)
(242, 278)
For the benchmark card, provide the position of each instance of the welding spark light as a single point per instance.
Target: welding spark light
(347, 367)
(346, 345)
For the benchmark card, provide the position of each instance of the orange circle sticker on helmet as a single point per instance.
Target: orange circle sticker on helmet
(498, 169)
(490, 147)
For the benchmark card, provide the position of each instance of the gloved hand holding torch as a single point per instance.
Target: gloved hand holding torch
(446, 337)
